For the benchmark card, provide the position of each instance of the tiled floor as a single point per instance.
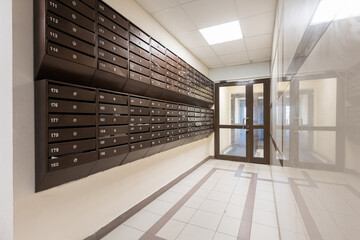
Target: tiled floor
(224, 200)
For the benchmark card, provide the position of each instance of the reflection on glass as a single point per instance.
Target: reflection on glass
(233, 142)
(232, 102)
(317, 102)
(258, 143)
(258, 104)
(317, 147)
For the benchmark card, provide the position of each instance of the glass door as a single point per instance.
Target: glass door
(241, 125)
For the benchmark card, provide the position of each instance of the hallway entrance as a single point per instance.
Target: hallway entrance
(242, 121)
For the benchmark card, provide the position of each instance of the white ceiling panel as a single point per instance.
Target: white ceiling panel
(229, 47)
(175, 20)
(258, 25)
(212, 62)
(184, 18)
(233, 59)
(192, 39)
(247, 8)
(206, 13)
(203, 52)
(260, 54)
(157, 5)
(261, 41)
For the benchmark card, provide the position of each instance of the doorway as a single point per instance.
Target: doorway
(242, 121)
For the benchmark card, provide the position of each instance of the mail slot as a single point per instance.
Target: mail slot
(113, 151)
(65, 92)
(171, 125)
(69, 28)
(71, 120)
(172, 119)
(139, 146)
(157, 142)
(57, 149)
(139, 51)
(104, 21)
(112, 120)
(80, 7)
(114, 16)
(113, 109)
(140, 34)
(155, 135)
(112, 130)
(139, 102)
(158, 119)
(65, 134)
(71, 161)
(138, 129)
(139, 111)
(139, 43)
(139, 137)
(113, 98)
(158, 127)
(113, 48)
(71, 15)
(113, 141)
(59, 106)
(114, 59)
(139, 120)
(172, 106)
(158, 112)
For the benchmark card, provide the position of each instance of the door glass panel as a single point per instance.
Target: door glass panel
(233, 142)
(258, 143)
(232, 104)
(258, 104)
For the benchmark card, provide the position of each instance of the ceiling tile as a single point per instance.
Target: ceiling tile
(175, 20)
(234, 59)
(262, 41)
(260, 54)
(229, 47)
(192, 39)
(258, 25)
(206, 13)
(247, 8)
(212, 62)
(203, 52)
(157, 5)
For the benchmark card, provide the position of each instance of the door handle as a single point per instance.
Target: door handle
(244, 123)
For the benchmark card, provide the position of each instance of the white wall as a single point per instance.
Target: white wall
(6, 101)
(78, 209)
(241, 72)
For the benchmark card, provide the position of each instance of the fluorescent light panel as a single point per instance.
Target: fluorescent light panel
(329, 10)
(222, 33)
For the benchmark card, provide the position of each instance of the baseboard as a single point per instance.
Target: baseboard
(129, 213)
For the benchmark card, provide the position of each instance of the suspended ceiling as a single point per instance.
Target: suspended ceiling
(184, 18)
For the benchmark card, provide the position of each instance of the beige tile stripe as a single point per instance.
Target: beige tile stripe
(246, 220)
(169, 214)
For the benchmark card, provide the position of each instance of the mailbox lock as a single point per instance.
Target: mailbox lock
(75, 160)
(75, 146)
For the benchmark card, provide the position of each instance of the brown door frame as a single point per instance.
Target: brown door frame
(249, 114)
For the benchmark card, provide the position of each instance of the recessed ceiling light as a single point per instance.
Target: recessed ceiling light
(329, 10)
(222, 33)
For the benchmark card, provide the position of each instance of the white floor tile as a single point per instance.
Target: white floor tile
(264, 205)
(124, 232)
(195, 232)
(158, 207)
(184, 214)
(221, 236)
(143, 220)
(206, 220)
(262, 232)
(219, 196)
(265, 218)
(213, 206)
(194, 202)
(229, 226)
(237, 200)
(171, 197)
(171, 230)
(234, 211)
